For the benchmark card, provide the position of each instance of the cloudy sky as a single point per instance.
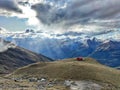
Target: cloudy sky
(92, 17)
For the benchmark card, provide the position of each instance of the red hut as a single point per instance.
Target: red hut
(79, 59)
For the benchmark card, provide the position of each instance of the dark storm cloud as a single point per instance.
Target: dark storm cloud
(102, 32)
(70, 33)
(78, 12)
(10, 5)
(43, 12)
(53, 14)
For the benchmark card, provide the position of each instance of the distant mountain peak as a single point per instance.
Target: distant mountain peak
(13, 58)
(3, 30)
(29, 31)
(4, 45)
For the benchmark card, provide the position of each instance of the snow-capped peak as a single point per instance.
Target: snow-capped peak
(5, 45)
(3, 30)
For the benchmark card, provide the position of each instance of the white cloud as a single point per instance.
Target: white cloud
(5, 46)
(91, 17)
(110, 36)
(29, 14)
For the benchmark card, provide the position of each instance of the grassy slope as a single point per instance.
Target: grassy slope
(72, 69)
(18, 57)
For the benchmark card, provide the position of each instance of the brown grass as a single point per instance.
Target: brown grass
(89, 69)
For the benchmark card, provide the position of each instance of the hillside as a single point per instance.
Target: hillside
(13, 58)
(70, 69)
(110, 52)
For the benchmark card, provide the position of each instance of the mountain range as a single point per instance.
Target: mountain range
(108, 53)
(15, 57)
(21, 61)
(67, 47)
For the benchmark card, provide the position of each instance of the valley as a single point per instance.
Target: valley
(66, 47)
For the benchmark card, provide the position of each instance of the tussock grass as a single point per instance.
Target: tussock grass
(89, 69)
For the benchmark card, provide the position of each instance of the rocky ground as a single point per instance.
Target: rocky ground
(45, 84)
(62, 75)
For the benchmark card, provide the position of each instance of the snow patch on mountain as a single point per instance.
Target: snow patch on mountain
(2, 30)
(5, 45)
